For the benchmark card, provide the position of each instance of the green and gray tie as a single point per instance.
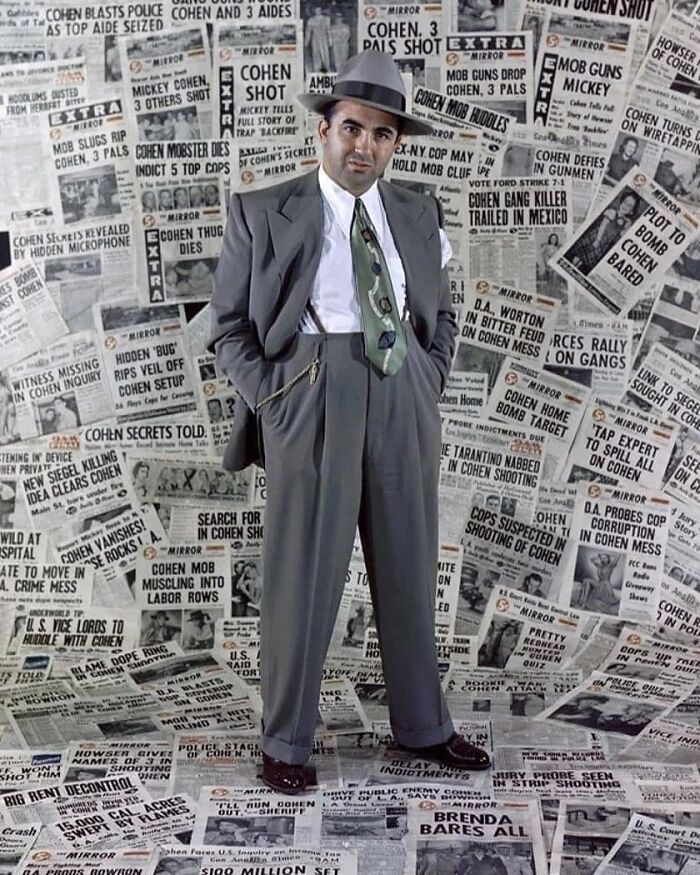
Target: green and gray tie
(385, 345)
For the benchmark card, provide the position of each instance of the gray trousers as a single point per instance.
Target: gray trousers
(347, 447)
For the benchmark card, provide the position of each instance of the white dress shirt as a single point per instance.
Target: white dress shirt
(333, 295)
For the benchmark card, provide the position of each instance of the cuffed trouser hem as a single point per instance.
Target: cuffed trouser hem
(280, 750)
(423, 737)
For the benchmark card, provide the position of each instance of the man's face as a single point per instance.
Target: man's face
(357, 145)
(493, 502)
(629, 148)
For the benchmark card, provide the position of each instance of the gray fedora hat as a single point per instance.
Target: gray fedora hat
(373, 79)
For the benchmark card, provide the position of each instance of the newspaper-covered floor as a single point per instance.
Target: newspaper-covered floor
(566, 157)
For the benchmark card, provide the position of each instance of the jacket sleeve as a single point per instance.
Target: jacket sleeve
(239, 353)
(443, 344)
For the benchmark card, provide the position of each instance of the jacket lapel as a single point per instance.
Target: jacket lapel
(413, 229)
(296, 235)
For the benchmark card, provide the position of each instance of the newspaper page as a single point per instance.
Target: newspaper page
(493, 327)
(438, 165)
(203, 482)
(57, 801)
(462, 116)
(152, 761)
(673, 318)
(21, 31)
(262, 64)
(56, 390)
(411, 32)
(510, 226)
(200, 759)
(217, 401)
(28, 90)
(664, 741)
(612, 704)
(669, 384)
(541, 402)
(91, 161)
(627, 244)
(50, 861)
(146, 360)
(137, 824)
(179, 250)
(82, 264)
(595, 352)
(80, 632)
(641, 655)
(489, 466)
(582, 74)
(263, 166)
(78, 28)
(465, 395)
(671, 64)
(245, 817)
(183, 180)
(15, 843)
(339, 709)
(656, 134)
(104, 672)
(25, 670)
(246, 860)
(114, 716)
(30, 319)
(243, 528)
(520, 631)
(167, 84)
(649, 844)
(586, 831)
(179, 435)
(679, 611)
(29, 769)
(555, 153)
(188, 593)
(237, 643)
(494, 70)
(184, 13)
(618, 445)
(28, 582)
(555, 507)
(112, 546)
(499, 550)
(80, 490)
(498, 835)
(617, 543)
(684, 483)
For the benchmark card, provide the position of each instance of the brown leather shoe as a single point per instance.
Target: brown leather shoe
(283, 777)
(456, 752)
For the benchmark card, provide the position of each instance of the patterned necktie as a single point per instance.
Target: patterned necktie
(385, 345)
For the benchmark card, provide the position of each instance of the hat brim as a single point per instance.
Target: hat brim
(411, 125)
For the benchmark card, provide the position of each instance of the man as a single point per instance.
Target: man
(318, 42)
(65, 417)
(622, 161)
(349, 431)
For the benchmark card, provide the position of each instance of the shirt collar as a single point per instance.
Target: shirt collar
(342, 203)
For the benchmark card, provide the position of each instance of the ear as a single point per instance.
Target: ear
(398, 142)
(322, 130)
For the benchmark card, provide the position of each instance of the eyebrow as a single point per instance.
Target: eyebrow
(352, 121)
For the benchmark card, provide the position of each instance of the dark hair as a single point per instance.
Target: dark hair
(329, 110)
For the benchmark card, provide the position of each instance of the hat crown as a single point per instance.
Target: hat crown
(373, 68)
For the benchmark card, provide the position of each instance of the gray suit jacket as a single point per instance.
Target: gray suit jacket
(272, 247)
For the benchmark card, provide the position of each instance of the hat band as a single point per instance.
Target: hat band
(387, 97)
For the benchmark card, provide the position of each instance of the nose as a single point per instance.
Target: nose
(363, 143)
